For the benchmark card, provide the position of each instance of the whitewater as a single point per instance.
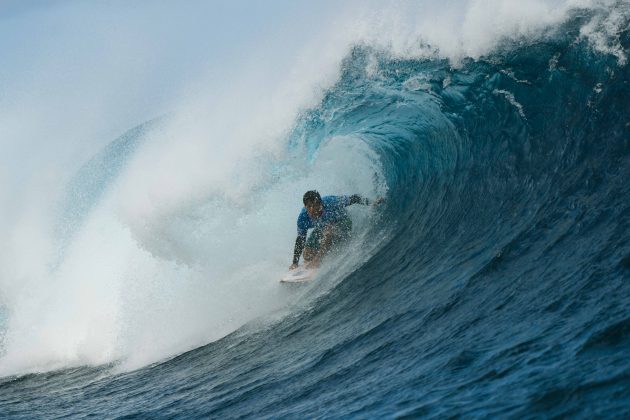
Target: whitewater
(153, 161)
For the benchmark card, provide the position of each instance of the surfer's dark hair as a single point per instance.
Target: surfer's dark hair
(311, 196)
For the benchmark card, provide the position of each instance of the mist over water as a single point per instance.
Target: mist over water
(154, 157)
(182, 241)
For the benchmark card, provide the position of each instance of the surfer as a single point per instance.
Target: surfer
(330, 222)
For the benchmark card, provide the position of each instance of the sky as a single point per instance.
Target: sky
(76, 74)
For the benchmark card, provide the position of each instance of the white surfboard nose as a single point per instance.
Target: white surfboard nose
(298, 275)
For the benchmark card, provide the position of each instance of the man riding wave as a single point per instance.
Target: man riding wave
(331, 225)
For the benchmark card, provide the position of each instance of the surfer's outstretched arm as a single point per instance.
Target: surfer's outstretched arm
(357, 199)
(297, 250)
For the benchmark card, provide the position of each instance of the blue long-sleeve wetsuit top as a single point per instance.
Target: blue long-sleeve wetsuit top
(334, 211)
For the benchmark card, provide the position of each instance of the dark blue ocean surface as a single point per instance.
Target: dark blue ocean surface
(503, 289)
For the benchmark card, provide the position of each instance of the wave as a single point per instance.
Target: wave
(493, 281)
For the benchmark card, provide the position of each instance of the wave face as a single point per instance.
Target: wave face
(496, 276)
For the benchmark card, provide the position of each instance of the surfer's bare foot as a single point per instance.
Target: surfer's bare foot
(312, 264)
(293, 267)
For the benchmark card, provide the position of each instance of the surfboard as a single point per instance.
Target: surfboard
(298, 275)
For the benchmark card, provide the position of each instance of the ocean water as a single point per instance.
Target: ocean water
(140, 272)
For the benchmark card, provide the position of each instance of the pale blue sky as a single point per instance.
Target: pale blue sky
(77, 74)
(145, 49)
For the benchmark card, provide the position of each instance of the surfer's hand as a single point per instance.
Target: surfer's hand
(293, 267)
(378, 201)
